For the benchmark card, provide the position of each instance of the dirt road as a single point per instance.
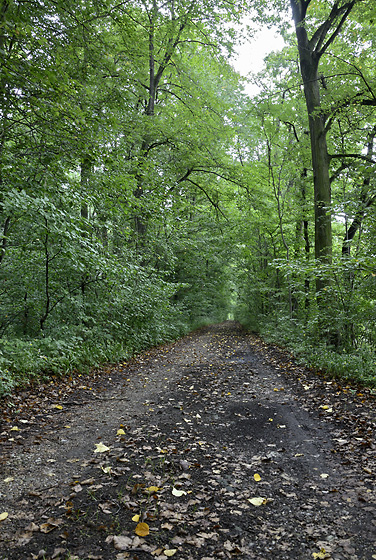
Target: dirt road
(216, 446)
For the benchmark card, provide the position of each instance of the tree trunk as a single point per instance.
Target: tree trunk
(365, 202)
(309, 61)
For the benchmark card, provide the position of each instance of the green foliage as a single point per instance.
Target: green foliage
(142, 194)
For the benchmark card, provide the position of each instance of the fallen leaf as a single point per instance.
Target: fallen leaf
(142, 529)
(136, 518)
(120, 432)
(152, 489)
(50, 525)
(59, 551)
(24, 538)
(106, 508)
(342, 441)
(121, 543)
(15, 429)
(3, 516)
(178, 493)
(101, 448)
(322, 554)
(32, 527)
(9, 479)
(257, 477)
(324, 475)
(257, 501)
(58, 406)
(170, 551)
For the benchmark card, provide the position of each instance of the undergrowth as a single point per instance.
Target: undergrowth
(36, 359)
(357, 364)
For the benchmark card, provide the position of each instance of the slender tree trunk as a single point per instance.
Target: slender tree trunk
(86, 170)
(46, 279)
(4, 240)
(365, 202)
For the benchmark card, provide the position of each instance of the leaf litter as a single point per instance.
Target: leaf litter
(182, 479)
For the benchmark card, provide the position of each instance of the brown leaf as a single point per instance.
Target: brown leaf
(32, 527)
(122, 543)
(50, 525)
(24, 538)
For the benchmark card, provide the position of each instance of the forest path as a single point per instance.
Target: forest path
(226, 449)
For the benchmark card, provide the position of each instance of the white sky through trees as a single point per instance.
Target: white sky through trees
(251, 54)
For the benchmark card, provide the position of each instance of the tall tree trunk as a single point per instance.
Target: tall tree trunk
(310, 52)
(309, 61)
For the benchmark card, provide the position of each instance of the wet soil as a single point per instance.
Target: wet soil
(216, 446)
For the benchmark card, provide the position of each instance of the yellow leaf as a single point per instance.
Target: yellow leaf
(324, 406)
(101, 448)
(142, 529)
(170, 551)
(152, 489)
(120, 432)
(9, 479)
(257, 477)
(14, 429)
(136, 518)
(257, 501)
(322, 554)
(3, 516)
(58, 406)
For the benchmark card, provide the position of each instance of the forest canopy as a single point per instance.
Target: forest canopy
(143, 193)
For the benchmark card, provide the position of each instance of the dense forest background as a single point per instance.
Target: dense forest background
(143, 193)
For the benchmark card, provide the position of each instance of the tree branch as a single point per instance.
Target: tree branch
(336, 12)
(212, 202)
(353, 156)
